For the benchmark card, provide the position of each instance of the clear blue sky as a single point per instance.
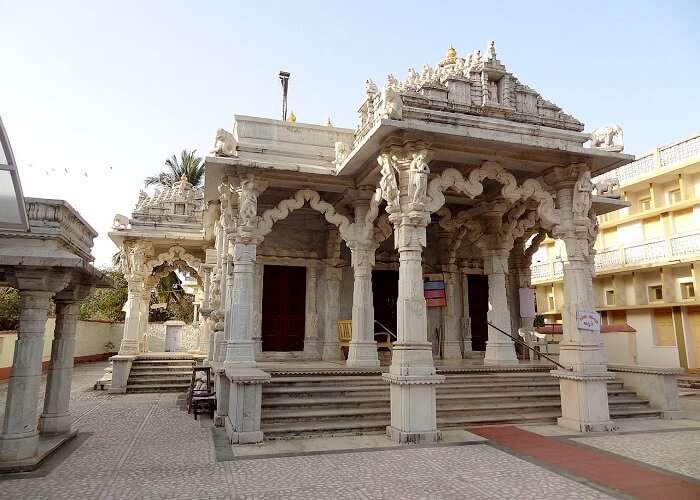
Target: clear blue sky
(89, 85)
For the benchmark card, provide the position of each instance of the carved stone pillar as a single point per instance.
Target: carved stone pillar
(130, 339)
(143, 314)
(451, 315)
(257, 303)
(412, 374)
(466, 322)
(584, 396)
(312, 343)
(363, 347)
(56, 417)
(331, 346)
(499, 348)
(240, 349)
(19, 439)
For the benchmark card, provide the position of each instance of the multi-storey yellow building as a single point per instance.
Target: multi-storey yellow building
(647, 260)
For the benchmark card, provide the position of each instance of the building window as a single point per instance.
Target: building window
(656, 293)
(179, 209)
(674, 196)
(645, 204)
(550, 302)
(687, 290)
(663, 328)
(609, 297)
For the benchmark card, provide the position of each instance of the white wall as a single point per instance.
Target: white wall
(648, 353)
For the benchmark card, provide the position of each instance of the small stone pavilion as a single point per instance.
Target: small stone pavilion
(46, 256)
(453, 175)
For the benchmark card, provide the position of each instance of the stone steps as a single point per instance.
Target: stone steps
(160, 375)
(328, 404)
(383, 398)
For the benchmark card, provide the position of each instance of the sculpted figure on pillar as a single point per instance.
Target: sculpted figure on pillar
(582, 195)
(418, 178)
(387, 184)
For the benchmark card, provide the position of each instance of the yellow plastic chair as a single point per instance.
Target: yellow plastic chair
(345, 335)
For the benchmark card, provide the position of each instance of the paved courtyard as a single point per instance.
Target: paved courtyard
(146, 446)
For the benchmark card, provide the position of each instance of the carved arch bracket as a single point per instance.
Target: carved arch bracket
(473, 186)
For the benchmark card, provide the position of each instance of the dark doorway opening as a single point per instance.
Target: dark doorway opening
(283, 308)
(385, 291)
(478, 308)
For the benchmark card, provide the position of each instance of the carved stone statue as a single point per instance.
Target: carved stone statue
(582, 195)
(248, 203)
(604, 138)
(390, 190)
(225, 144)
(608, 187)
(493, 92)
(371, 88)
(341, 152)
(120, 222)
(418, 175)
(392, 105)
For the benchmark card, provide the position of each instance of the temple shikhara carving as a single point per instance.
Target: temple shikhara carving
(416, 229)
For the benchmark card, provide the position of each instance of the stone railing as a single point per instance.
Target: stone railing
(658, 251)
(663, 157)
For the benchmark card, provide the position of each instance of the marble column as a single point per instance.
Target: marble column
(500, 349)
(331, 346)
(451, 314)
(20, 438)
(240, 349)
(583, 388)
(56, 417)
(466, 322)
(363, 347)
(312, 342)
(412, 373)
(143, 316)
(257, 303)
(130, 339)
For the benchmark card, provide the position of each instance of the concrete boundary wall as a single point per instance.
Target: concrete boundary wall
(93, 339)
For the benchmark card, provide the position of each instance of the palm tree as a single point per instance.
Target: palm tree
(188, 165)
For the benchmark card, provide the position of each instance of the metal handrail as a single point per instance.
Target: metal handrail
(386, 329)
(531, 348)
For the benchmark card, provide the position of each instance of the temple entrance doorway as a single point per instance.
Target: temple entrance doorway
(478, 307)
(385, 291)
(283, 308)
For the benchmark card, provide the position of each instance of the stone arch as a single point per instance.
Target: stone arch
(285, 207)
(473, 186)
(172, 256)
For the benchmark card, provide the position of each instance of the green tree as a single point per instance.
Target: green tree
(105, 304)
(188, 165)
(9, 308)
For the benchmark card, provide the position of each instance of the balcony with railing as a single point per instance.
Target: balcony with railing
(672, 249)
(664, 157)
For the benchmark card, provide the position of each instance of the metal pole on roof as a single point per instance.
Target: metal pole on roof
(284, 79)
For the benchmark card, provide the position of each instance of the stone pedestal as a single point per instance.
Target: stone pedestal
(500, 349)
(56, 417)
(244, 408)
(121, 367)
(363, 348)
(584, 401)
(412, 374)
